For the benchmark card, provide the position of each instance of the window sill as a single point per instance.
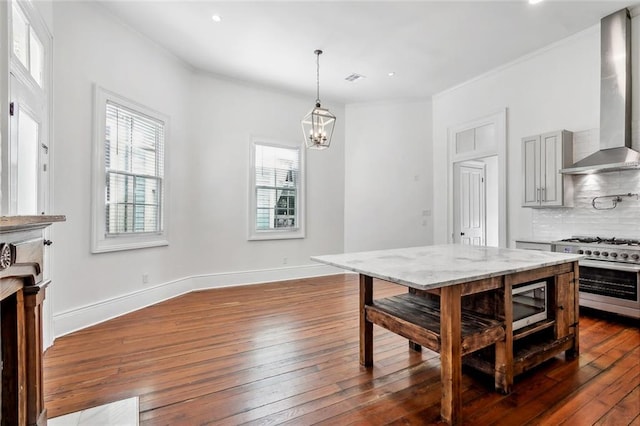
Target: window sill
(128, 243)
(276, 235)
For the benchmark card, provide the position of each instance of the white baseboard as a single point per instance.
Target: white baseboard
(85, 316)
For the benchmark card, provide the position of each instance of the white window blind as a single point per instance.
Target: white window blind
(277, 171)
(134, 171)
(130, 189)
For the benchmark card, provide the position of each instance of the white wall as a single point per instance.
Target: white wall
(388, 191)
(556, 88)
(492, 199)
(211, 121)
(89, 47)
(224, 116)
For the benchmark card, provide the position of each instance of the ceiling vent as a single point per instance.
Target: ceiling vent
(354, 77)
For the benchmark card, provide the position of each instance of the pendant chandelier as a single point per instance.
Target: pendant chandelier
(317, 125)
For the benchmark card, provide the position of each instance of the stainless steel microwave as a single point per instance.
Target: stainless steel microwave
(529, 304)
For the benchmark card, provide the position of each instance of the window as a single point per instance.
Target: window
(27, 47)
(129, 182)
(276, 196)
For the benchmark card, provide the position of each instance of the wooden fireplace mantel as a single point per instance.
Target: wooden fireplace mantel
(22, 291)
(8, 223)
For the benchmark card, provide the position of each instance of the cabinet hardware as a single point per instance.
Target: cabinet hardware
(47, 242)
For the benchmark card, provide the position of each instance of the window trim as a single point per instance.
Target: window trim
(276, 234)
(35, 24)
(100, 242)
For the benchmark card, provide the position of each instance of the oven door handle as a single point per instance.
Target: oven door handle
(609, 265)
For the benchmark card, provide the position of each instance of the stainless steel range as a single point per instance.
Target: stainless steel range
(609, 273)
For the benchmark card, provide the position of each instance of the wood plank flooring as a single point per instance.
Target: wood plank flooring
(287, 353)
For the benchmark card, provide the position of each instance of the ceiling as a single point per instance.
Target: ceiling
(429, 45)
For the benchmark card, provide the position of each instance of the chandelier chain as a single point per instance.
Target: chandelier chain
(318, 53)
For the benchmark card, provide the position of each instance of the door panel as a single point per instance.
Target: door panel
(28, 152)
(471, 204)
(28, 142)
(531, 164)
(552, 185)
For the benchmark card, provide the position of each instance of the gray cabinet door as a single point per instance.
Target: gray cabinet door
(551, 179)
(542, 158)
(531, 169)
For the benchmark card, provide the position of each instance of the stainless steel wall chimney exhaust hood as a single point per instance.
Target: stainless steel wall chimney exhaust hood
(615, 100)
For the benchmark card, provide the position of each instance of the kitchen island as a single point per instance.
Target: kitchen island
(460, 304)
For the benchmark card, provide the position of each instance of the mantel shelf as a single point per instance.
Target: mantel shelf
(12, 223)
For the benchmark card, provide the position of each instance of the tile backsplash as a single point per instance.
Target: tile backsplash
(623, 221)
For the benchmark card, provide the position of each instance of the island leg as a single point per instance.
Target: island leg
(366, 327)
(503, 378)
(575, 313)
(451, 354)
(413, 345)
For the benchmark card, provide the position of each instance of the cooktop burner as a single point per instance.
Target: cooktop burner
(598, 240)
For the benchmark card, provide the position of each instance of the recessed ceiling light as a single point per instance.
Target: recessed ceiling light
(391, 74)
(216, 18)
(535, 1)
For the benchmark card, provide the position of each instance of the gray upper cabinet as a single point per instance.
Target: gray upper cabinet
(542, 158)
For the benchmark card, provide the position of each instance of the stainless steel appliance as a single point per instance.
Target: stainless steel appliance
(615, 100)
(529, 304)
(609, 273)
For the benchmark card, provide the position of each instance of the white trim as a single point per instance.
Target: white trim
(85, 316)
(5, 49)
(276, 234)
(100, 243)
(499, 119)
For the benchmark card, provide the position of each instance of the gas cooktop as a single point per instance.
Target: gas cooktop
(619, 250)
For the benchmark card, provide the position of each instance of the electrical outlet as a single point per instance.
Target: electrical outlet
(145, 278)
(284, 260)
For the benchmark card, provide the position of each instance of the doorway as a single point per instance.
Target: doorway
(475, 202)
(477, 182)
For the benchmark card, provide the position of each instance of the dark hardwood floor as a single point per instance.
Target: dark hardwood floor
(287, 353)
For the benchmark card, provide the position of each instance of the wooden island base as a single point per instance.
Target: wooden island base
(474, 320)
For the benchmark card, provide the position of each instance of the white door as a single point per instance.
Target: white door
(469, 203)
(28, 153)
(25, 177)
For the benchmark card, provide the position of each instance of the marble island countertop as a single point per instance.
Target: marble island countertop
(442, 265)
